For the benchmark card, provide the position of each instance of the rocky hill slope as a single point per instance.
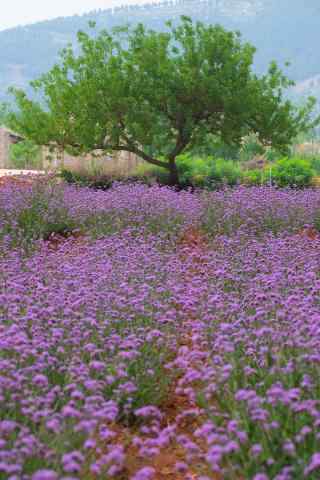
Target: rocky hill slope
(280, 29)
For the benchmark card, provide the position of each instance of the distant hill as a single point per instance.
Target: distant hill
(280, 29)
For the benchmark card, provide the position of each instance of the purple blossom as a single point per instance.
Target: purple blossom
(45, 475)
(92, 330)
(146, 473)
(314, 464)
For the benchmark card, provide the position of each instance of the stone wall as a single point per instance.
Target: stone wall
(7, 138)
(308, 148)
(121, 163)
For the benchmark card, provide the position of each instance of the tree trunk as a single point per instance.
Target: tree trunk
(173, 174)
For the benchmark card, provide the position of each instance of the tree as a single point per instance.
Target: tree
(25, 154)
(3, 113)
(158, 95)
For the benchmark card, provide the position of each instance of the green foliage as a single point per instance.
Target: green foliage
(25, 154)
(85, 179)
(251, 147)
(67, 175)
(150, 174)
(3, 113)
(211, 173)
(255, 176)
(33, 225)
(225, 172)
(193, 170)
(214, 146)
(293, 172)
(196, 171)
(151, 378)
(110, 94)
(284, 172)
(315, 164)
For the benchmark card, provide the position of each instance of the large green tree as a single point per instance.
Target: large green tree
(158, 95)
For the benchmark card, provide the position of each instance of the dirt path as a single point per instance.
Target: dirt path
(181, 416)
(180, 413)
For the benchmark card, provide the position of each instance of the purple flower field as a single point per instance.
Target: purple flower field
(147, 334)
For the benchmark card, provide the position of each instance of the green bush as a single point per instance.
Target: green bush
(39, 221)
(251, 147)
(224, 172)
(187, 166)
(292, 172)
(195, 171)
(315, 164)
(99, 181)
(256, 176)
(24, 155)
(147, 173)
(209, 172)
(144, 173)
(285, 172)
(67, 176)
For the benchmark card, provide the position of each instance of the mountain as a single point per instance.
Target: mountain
(282, 30)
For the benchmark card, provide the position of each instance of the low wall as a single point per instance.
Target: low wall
(121, 163)
(7, 138)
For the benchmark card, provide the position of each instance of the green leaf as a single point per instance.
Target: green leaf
(158, 95)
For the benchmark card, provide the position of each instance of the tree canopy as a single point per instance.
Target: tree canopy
(158, 94)
(3, 113)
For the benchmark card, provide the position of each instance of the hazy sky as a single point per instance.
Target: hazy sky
(22, 12)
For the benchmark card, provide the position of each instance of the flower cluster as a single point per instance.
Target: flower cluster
(100, 331)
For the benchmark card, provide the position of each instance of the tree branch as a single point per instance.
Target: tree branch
(118, 148)
(131, 147)
(139, 152)
(181, 143)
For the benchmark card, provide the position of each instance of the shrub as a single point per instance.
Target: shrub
(25, 154)
(39, 220)
(292, 172)
(147, 173)
(195, 171)
(256, 176)
(224, 172)
(315, 163)
(188, 167)
(67, 175)
(251, 147)
(85, 179)
(207, 172)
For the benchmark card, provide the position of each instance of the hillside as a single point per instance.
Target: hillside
(285, 30)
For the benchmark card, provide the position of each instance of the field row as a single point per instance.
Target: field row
(149, 334)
